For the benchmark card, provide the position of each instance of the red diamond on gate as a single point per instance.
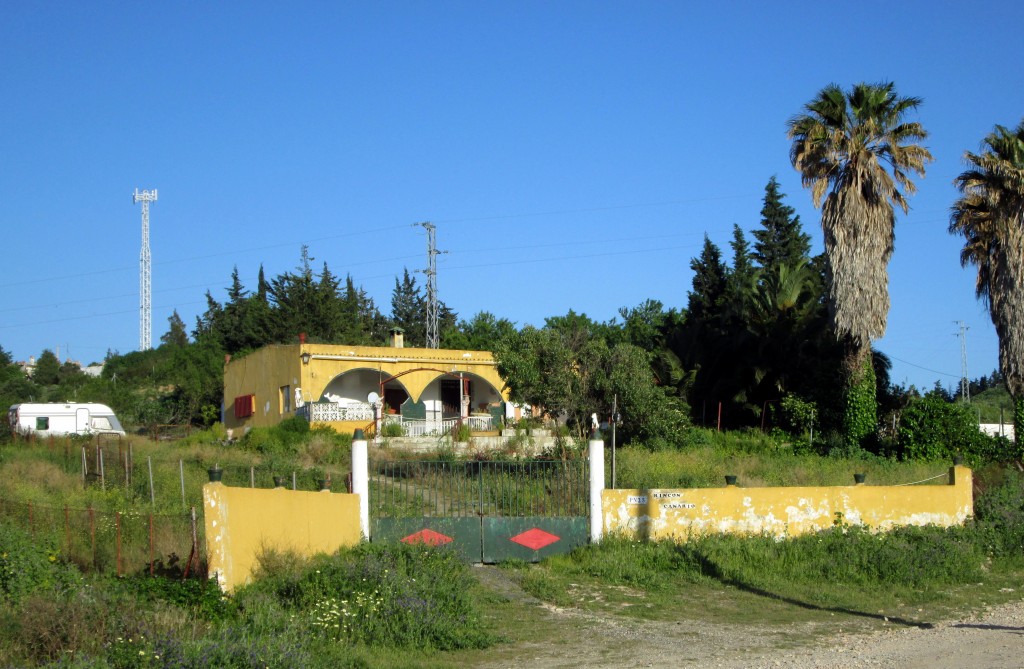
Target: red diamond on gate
(428, 537)
(535, 539)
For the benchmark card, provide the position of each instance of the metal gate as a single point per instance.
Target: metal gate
(486, 511)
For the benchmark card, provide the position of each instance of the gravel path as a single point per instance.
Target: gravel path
(992, 639)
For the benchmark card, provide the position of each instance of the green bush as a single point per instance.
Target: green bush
(379, 595)
(392, 430)
(933, 429)
(999, 514)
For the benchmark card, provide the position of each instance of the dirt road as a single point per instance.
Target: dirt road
(992, 639)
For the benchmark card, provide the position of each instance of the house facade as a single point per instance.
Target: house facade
(426, 391)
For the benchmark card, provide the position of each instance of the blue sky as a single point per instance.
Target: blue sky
(571, 155)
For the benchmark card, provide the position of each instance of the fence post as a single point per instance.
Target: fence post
(361, 480)
(117, 523)
(194, 553)
(85, 467)
(92, 534)
(103, 474)
(150, 544)
(596, 448)
(152, 493)
(181, 475)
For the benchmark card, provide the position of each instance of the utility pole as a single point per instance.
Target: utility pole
(145, 273)
(965, 384)
(433, 337)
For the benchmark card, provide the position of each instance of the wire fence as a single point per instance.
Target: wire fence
(169, 483)
(122, 543)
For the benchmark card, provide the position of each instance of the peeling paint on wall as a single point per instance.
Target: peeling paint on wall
(782, 512)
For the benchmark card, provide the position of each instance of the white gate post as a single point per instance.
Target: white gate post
(596, 485)
(361, 481)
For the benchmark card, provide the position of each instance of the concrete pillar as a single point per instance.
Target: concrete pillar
(361, 481)
(596, 448)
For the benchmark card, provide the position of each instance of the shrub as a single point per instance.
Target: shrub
(392, 430)
(380, 595)
(933, 429)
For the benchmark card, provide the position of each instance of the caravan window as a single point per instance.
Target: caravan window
(42, 422)
(101, 423)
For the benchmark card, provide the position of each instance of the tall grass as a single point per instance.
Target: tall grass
(370, 606)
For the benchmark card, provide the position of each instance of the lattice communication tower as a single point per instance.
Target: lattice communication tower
(145, 272)
(433, 337)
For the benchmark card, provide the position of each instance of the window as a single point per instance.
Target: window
(101, 423)
(43, 423)
(245, 406)
(286, 399)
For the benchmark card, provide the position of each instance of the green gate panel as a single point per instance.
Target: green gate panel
(461, 535)
(532, 538)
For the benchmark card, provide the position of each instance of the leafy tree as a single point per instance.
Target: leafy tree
(15, 387)
(176, 334)
(47, 371)
(842, 143)
(483, 332)
(572, 375)
(990, 216)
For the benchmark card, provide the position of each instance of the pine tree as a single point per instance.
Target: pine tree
(409, 310)
(176, 334)
(709, 281)
(781, 241)
(741, 279)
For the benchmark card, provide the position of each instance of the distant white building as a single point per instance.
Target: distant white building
(93, 370)
(998, 429)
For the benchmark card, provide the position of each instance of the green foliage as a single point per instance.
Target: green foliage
(999, 513)
(380, 595)
(392, 430)
(282, 439)
(933, 429)
(798, 415)
(860, 419)
(47, 370)
(571, 369)
(201, 596)
(29, 565)
(461, 432)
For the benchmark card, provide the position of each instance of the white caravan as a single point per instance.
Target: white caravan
(61, 419)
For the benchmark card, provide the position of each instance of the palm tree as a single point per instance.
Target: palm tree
(990, 216)
(855, 151)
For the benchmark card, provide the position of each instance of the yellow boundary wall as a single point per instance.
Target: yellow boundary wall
(781, 512)
(243, 522)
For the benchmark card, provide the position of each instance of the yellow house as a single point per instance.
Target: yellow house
(364, 387)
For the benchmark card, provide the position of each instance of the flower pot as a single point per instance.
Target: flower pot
(730, 479)
(215, 473)
(278, 481)
(859, 478)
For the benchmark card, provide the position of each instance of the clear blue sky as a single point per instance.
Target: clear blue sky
(572, 155)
